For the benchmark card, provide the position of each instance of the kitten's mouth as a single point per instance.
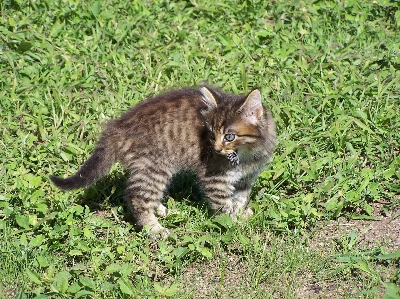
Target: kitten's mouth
(233, 158)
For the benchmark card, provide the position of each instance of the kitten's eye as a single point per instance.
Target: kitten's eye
(229, 137)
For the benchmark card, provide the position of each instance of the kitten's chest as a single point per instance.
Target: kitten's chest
(246, 171)
(251, 169)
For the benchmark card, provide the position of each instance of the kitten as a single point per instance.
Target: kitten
(226, 139)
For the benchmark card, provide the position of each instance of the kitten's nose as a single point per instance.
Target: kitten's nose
(217, 149)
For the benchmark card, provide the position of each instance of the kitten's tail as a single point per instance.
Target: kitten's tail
(98, 164)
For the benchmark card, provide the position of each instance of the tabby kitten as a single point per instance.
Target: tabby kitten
(226, 139)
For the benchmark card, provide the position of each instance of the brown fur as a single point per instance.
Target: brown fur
(184, 130)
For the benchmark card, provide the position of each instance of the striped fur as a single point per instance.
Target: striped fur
(226, 139)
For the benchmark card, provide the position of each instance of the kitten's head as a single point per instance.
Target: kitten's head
(237, 125)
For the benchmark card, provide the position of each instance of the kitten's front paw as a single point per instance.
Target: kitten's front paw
(247, 213)
(241, 215)
(229, 210)
(158, 232)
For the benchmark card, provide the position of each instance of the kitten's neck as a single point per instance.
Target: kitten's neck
(253, 155)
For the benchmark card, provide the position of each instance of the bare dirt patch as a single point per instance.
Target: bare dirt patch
(208, 281)
(230, 276)
(385, 231)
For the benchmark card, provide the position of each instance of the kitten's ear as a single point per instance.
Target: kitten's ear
(208, 98)
(252, 109)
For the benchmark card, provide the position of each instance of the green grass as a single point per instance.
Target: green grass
(329, 71)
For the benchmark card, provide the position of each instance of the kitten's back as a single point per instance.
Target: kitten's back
(168, 127)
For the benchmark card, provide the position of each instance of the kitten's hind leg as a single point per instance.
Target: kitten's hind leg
(145, 218)
(161, 210)
(144, 192)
